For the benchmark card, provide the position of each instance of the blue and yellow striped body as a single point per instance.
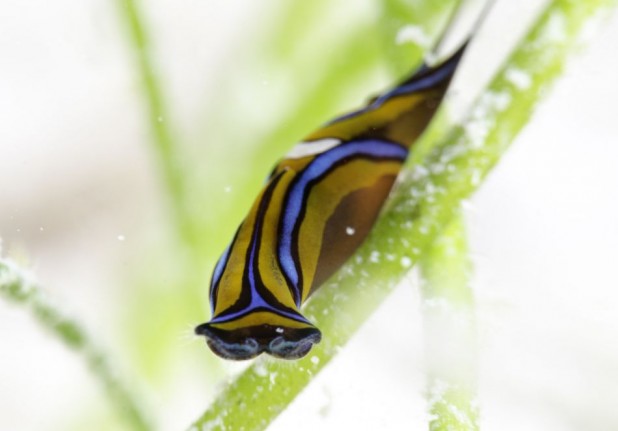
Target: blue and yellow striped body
(315, 210)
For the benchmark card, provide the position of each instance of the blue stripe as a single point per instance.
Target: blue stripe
(253, 307)
(252, 271)
(433, 78)
(256, 299)
(429, 81)
(318, 167)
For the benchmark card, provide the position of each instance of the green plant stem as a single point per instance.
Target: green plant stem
(450, 332)
(400, 16)
(426, 199)
(165, 143)
(19, 287)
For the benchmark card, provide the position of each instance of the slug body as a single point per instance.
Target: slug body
(315, 210)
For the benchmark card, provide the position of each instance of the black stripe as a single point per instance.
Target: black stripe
(303, 210)
(244, 299)
(266, 294)
(268, 310)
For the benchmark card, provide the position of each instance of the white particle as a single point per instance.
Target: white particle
(501, 100)
(413, 34)
(483, 116)
(227, 189)
(556, 29)
(419, 172)
(350, 230)
(518, 78)
(374, 256)
(121, 237)
(260, 369)
(315, 360)
(590, 28)
(406, 262)
(272, 378)
(477, 131)
(279, 330)
(475, 179)
(41, 229)
(213, 424)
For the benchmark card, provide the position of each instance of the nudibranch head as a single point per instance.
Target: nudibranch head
(260, 332)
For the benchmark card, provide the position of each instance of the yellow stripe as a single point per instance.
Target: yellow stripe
(231, 283)
(353, 127)
(324, 199)
(268, 264)
(260, 318)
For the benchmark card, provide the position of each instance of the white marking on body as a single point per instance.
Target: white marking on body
(305, 149)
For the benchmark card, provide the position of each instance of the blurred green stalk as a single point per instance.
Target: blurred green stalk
(426, 200)
(19, 287)
(166, 145)
(449, 330)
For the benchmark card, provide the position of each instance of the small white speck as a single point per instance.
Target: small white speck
(413, 34)
(475, 180)
(518, 78)
(315, 360)
(41, 229)
(121, 237)
(227, 189)
(374, 256)
(260, 369)
(477, 131)
(350, 230)
(279, 330)
(406, 262)
(556, 28)
(502, 100)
